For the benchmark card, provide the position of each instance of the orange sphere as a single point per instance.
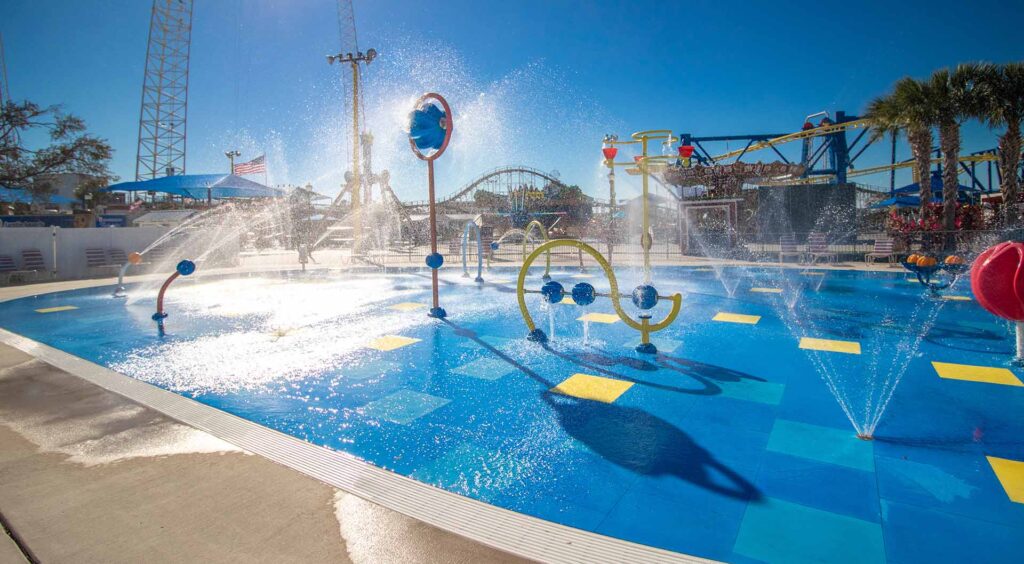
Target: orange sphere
(926, 262)
(134, 258)
(953, 259)
(912, 259)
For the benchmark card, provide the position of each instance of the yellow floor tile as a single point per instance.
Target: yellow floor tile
(736, 318)
(595, 388)
(1011, 476)
(391, 342)
(957, 298)
(496, 281)
(767, 290)
(986, 374)
(829, 345)
(582, 276)
(599, 318)
(407, 306)
(567, 300)
(55, 309)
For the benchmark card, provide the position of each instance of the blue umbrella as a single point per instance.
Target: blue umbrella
(936, 186)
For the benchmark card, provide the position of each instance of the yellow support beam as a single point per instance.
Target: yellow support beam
(814, 132)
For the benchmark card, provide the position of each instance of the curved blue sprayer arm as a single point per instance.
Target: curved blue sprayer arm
(472, 226)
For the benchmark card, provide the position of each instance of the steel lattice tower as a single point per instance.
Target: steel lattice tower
(161, 149)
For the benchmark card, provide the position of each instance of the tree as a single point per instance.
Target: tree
(92, 187)
(1002, 105)
(71, 148)
(954, 98)
(577, 206)
(908, 108)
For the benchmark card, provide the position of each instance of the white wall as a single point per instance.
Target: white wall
(72, 243)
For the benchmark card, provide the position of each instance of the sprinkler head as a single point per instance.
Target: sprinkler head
(865, 437)
(647, 348)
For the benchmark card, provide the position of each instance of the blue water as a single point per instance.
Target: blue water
(730, 444)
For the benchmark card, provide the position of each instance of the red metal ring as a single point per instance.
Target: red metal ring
(447, 130)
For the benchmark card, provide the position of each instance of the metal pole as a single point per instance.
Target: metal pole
(433, 230)
(54, 243)
(357, 229)
(645, 238)
(1020, 342)
(611, 211)
(892, 171)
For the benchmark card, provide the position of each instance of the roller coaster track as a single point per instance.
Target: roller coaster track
(854, 172)
(805, 134)
(464, 193)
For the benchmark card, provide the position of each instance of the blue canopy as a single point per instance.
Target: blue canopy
(936, 186)
(21, 196)
(200, 186)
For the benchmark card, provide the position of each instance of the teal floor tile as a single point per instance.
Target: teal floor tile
(778, 531)
(370, 370)
(825, 444)
(485, 369)
(753, 390)
(403, 406)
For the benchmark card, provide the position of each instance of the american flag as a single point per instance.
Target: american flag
(255, 166)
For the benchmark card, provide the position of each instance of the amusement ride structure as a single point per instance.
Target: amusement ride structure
(164, 108)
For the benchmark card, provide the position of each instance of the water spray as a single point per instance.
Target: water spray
(184, 268)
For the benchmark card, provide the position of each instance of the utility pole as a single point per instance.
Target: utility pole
(353, 60)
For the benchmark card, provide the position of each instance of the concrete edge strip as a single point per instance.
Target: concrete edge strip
(502, 529)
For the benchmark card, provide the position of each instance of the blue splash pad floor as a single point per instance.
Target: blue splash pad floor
(730, 444)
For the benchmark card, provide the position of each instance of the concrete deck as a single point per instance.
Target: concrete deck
(88, 476)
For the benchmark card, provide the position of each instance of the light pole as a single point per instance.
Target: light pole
(353, 61)
(231, 158)
(231, 170)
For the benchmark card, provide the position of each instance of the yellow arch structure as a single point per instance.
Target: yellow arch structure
(644, 325)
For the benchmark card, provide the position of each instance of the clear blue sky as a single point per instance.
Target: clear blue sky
(531, 82)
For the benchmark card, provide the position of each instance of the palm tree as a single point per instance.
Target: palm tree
(908, 108)
(1002, 97)
(954, 99)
